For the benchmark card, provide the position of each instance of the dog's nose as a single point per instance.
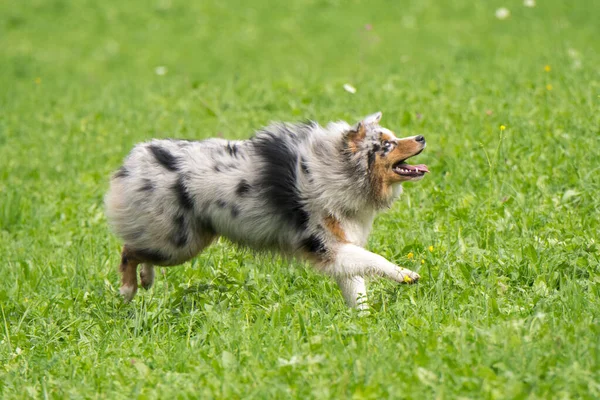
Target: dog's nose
(420, 139)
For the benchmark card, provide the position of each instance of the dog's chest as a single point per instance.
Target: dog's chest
(358, 228)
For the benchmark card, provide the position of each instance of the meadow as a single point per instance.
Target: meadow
(504, 231)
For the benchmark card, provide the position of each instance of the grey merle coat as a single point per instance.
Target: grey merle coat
(300, 189)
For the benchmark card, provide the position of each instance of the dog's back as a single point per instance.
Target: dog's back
(172, 197)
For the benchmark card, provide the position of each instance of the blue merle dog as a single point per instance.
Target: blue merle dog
(302, 190)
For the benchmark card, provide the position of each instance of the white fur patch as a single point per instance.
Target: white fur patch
(127, 292)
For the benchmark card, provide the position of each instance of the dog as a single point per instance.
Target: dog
(301, 189)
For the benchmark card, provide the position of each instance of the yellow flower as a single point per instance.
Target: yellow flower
(430, 248)
(407, 279)
(38, 80)
(410, 255)
(422, 261)
(549, 87)
(502, 127)
(547, 68)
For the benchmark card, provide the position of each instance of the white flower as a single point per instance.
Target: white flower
(292, 361)
(573, 53)
(576, 57)
(17, 352)
(349, 88)
(529, 3)
(160, 70)
(502, 13)
(299, 360)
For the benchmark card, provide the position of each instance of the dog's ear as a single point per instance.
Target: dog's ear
(356, 134)
(372, 119)
(359, 131)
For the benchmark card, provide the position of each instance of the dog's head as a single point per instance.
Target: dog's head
(384, 154)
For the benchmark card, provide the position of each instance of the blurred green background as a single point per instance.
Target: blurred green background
(228, 41)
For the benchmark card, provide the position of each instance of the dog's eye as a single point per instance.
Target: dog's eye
(386, 144)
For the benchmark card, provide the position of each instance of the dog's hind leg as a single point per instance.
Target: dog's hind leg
(147, 275)
(354, 291)
(128, 269)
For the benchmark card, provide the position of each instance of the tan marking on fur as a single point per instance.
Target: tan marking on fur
(128, 269)
(379, 173)
(335, 228)
(352, 146)
(388, 137)
(382, 175)
(405, 148)
(333, 225)
(355, 137)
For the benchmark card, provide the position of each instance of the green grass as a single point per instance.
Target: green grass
(508, 306)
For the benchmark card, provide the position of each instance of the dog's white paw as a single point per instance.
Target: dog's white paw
(408, 276)
(363, 307)
(127, 292)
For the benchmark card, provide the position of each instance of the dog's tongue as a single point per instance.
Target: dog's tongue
(416, 168)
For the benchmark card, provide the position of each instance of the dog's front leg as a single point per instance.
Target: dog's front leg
(351, 263)
(354, 291)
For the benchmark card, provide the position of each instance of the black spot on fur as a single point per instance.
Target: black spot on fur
(221, 204)
(217, 168)
(184, 198)
(370, 158)
(314, 245)
(235, 211)
(304, 166)
(164, 157)
(232, 149)
(121, 173)
(180, 234)
(148, 186)
(277, 180)
(124, 259)
(242, 188)
(205, 225)
(151, 256)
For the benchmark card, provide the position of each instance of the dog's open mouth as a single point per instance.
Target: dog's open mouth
(404, 169)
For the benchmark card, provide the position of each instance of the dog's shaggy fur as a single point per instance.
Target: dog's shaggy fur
(300, 189)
